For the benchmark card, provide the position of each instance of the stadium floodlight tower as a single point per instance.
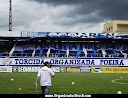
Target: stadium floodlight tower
(10, 15)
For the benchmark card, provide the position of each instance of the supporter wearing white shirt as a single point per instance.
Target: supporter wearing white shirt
(45, 74)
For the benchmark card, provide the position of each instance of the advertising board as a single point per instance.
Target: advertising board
(109, 70)
(32, 69)
(28, 69)
(5, 68)
(85, 69)
(62, 69)
(73, 69)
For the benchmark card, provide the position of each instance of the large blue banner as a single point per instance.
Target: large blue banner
(16, 61)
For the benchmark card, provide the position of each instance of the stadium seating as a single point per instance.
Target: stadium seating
(65, 50)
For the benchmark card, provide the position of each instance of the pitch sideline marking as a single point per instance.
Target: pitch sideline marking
(115, 81)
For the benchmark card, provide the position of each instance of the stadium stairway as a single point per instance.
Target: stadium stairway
(94, 52)
(48, 52)
(1, 54)
(22, 52)
(125, 54)
(115, 54)
(33, 54)
(103, 52)
(41, 52)
(58, 53)
(12, 50)
(78, 52)
(85, 52)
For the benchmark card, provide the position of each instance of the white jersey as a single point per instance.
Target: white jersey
(45, 74)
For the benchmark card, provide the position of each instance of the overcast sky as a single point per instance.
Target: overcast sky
(62, 15)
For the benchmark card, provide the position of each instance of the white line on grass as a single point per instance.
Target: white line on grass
(116, 81)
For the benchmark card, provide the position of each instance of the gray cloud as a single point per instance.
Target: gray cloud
(59, 2)
(62, 15)
(108, 9)
(91, 12)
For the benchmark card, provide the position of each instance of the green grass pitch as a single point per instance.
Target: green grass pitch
(85, 83)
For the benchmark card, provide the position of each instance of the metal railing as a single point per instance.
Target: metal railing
(63, 55)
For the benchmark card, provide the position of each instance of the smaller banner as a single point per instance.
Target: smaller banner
(32, 69)
(28, 69)
(14, 69)
(62, 69)
(33, 34)
(56, 69)
(109, 70)
(5, 68)
(73, 69)
(85, 69)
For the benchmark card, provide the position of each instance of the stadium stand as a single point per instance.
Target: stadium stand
(49, 49)
(63, 45)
